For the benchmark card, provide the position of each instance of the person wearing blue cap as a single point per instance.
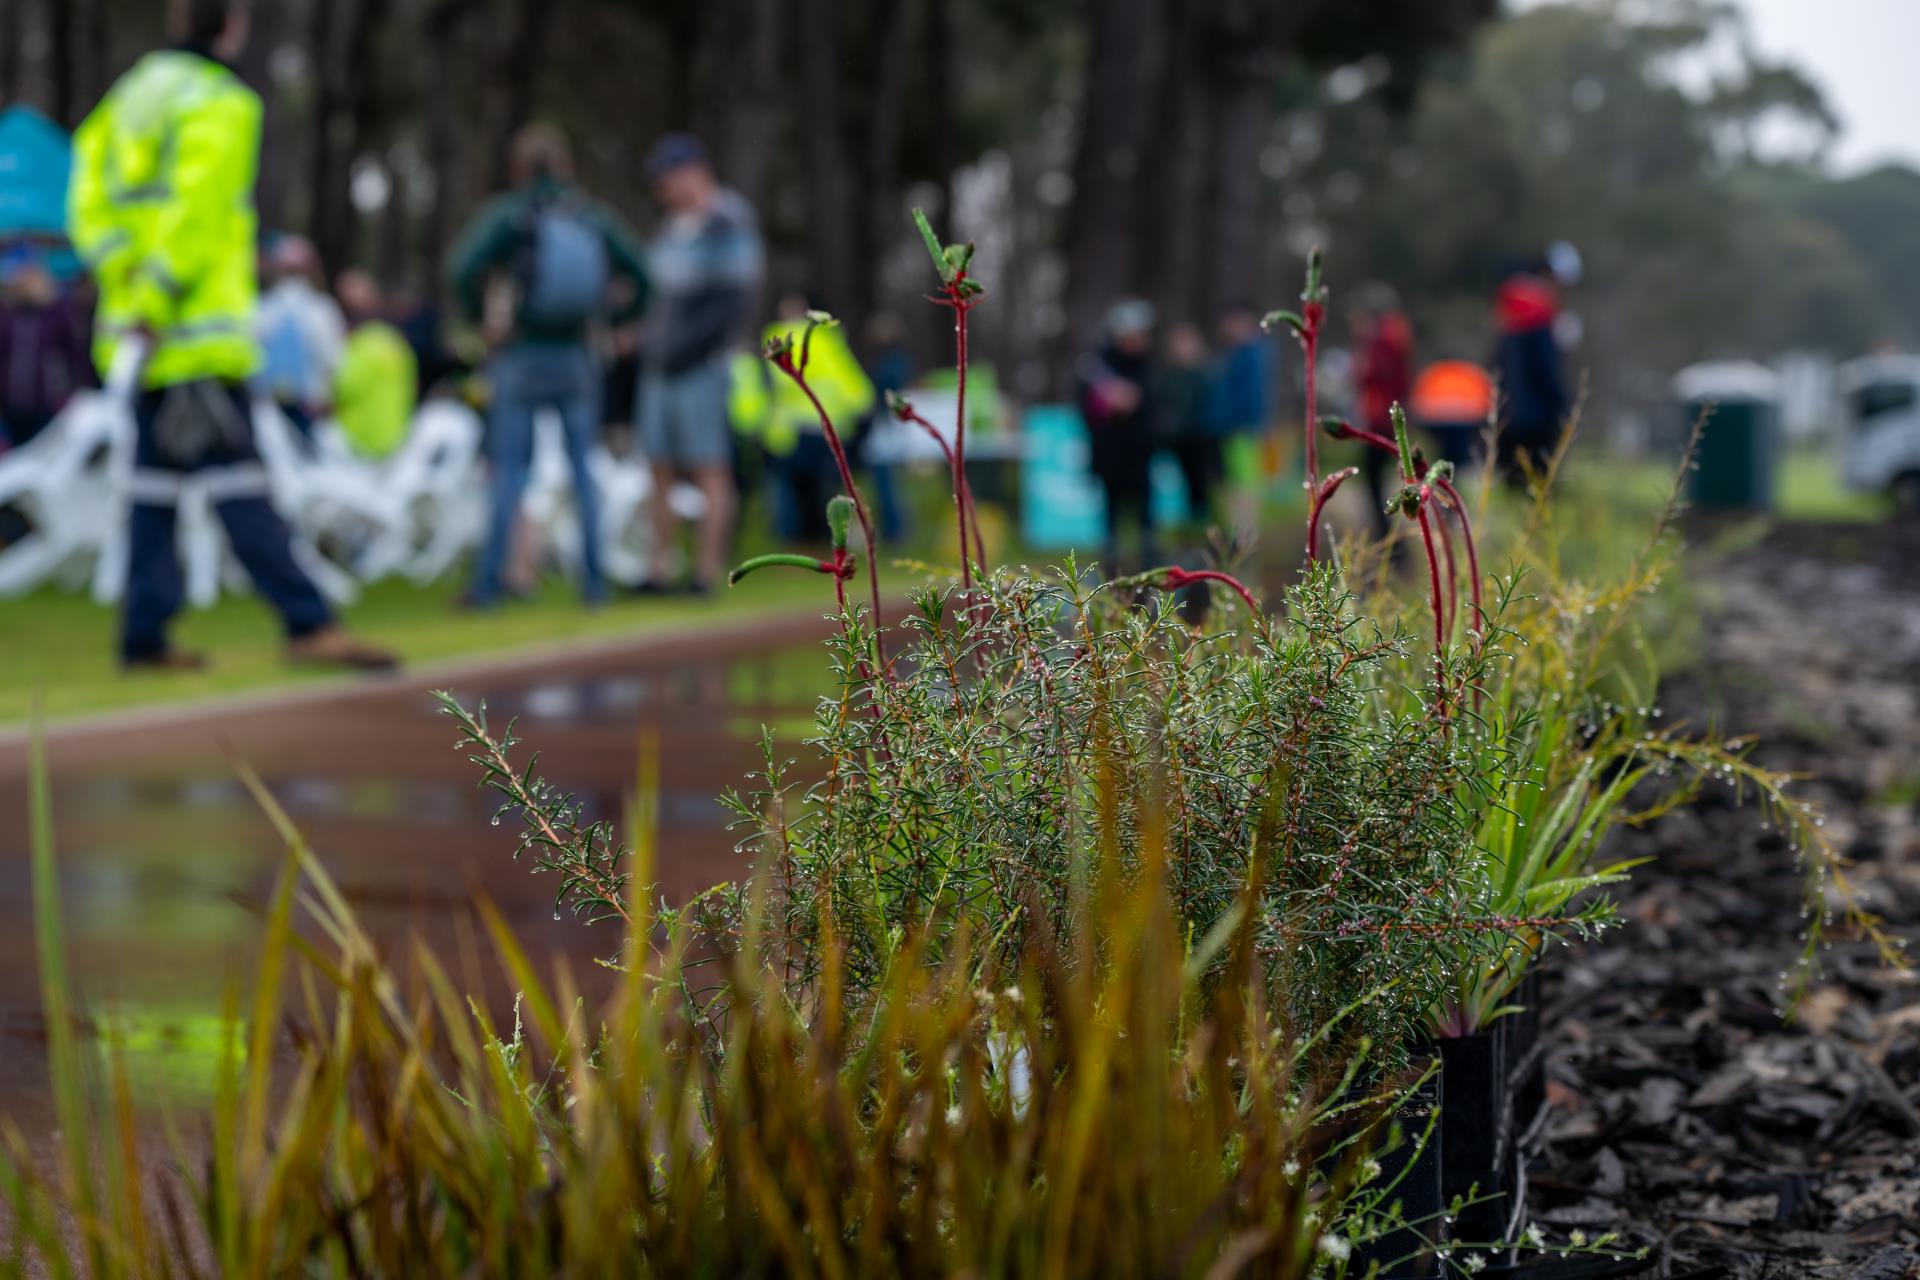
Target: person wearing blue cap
(706, 265)
(543, 268)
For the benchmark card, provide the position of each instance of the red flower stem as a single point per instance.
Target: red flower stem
(1310, 343)
(1178, 578)
(1453, 500)
(1453, 578)
(1350, 432)
(907, 413)
(1473, 557)
(959, 459)
(1439, 608)
(1324, 492)
(786, 366)
(962, 490)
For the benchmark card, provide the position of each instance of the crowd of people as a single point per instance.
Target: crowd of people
(1210, 410)
(576, 316)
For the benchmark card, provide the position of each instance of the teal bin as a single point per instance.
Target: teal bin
(1736, 458)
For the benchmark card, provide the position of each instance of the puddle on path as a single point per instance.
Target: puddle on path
(165, 858)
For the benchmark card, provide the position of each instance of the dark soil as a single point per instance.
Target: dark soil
(1687, 1115)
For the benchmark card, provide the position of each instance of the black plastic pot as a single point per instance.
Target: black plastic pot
(1572, 1269)
(1473, 1129)
(1418, 1192)
(1526, 1054)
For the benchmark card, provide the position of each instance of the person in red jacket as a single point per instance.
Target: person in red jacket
(1382, 377)
(1534, 403)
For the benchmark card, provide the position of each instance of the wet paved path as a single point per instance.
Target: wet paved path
(165, 859)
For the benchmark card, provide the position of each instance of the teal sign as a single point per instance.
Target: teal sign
(1062, 506)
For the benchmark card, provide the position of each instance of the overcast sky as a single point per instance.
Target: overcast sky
(1865, 54)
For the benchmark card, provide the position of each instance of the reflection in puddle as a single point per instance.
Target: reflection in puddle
(165, 858)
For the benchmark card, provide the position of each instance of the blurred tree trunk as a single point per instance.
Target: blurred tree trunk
(90, 52)
(936, 78)
(344, 44)
(876, 203)
(323, 171)
(368, 129)
(1107, 164)
(276, 135)
(443, 26)
(828, 185)
(942, 154)
(1243, 44)
(682, 26)
(523, 55)
(1164, 247)
(13, 30)
(60, 60)
(748, 34)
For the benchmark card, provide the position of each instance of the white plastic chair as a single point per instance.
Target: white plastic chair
(72, 481)
(626, 490)
(323, 504)
(63, 482)
(434, 489)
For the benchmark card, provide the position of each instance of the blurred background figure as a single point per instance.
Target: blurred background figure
(889, 364)
(1528, 370)
(43, 347)
(1184, 430)
(1116, 401)
(301, 332)
(161, 210)
(1382, 377)
(537, 267)
(377, 383)
(707, 263)
(1240, 409)
(1453, 400)
(800, 463)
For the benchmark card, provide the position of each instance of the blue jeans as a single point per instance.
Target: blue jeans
(525, 380)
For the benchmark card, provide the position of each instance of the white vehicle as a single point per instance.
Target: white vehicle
(1881, 395)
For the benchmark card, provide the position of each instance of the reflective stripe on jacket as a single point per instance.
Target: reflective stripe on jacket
(160, 208)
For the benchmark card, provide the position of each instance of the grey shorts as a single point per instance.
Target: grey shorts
(683, 418)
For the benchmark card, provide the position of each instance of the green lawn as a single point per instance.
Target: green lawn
(60, 647)
(1807, 485)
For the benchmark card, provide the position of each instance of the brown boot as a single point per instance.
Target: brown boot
(333, 647)
(172, 661)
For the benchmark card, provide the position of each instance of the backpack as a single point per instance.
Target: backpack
(567, 268)
(286, 364)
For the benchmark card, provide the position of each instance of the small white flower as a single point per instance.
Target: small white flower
(1534, 1237)
(1578, 1238)
(1474, 1262)
(1370, 1170)
(1290, 1170)
(953, 1115)
(1334, 1247)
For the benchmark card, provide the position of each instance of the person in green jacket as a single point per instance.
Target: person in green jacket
(377, 383)
(540, 267)
(160, 208)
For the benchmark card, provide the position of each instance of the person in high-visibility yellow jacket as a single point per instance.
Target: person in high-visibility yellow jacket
(377, 384)
(798, 458)
(160, 208)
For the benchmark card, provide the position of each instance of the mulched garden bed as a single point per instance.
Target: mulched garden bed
(1685, 1114)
